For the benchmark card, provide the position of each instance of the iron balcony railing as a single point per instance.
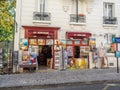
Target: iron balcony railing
(42, 16)
(109, 20)
(78, 18)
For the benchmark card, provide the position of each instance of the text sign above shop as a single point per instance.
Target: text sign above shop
(117, 40)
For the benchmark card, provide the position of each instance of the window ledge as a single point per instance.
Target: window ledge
(109, 25)
(41, 22)
(79, 23)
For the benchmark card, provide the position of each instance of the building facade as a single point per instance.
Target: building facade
(46, 27)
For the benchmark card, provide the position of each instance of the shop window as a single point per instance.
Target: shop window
(69, 42)
(84, 41)
(76, 42)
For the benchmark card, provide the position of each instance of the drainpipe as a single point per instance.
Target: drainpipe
(76, 10)
(40, 8)
(43, 8)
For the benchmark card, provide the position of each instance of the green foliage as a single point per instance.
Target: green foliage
(6, 19)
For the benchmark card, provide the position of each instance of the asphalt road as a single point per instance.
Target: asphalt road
(109, 86)
(100, 86)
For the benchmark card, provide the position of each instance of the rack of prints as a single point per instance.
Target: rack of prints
(1, 59)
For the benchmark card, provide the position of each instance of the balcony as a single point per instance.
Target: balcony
(41, 17)
(77, 19)
(112, 21)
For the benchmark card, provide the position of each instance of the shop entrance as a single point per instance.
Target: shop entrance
(44, 55)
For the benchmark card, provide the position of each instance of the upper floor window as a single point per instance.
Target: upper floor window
(109, 9)
(40, 5)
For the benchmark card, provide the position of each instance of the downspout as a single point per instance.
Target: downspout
(43, 8)
(40, 9)
(76, 10)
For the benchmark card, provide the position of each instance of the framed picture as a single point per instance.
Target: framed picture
(32, 41)
(41, 42)
(23, 44)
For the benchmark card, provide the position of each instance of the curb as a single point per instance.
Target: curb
(58, 85)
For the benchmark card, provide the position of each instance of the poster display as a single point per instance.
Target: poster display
(32, 41)
(49, 41)
(58, 58)
(69, 51)
(41, 41)
(57, 45)
(28, 60)
(92, 43)
(23, 44)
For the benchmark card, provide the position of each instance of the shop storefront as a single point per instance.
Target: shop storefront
(37, 47)
(77, 44)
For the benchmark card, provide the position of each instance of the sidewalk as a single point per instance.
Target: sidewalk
(59, 77)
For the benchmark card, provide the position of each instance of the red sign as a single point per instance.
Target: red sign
(78, 34)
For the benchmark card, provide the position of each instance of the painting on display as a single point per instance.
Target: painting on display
(110, 47)
(58, 45)
(41, 42)
(49, 41)
(92, 43)
(23, 44)
(69, 51)
(32, 41)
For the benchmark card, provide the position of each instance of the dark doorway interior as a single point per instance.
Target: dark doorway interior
(44, 53)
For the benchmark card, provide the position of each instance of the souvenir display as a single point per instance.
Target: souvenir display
(28, 59)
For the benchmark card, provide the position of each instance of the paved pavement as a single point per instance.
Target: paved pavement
(54, 77)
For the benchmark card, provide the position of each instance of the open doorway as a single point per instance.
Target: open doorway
(45, 55)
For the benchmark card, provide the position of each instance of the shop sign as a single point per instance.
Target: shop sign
(79, 35)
